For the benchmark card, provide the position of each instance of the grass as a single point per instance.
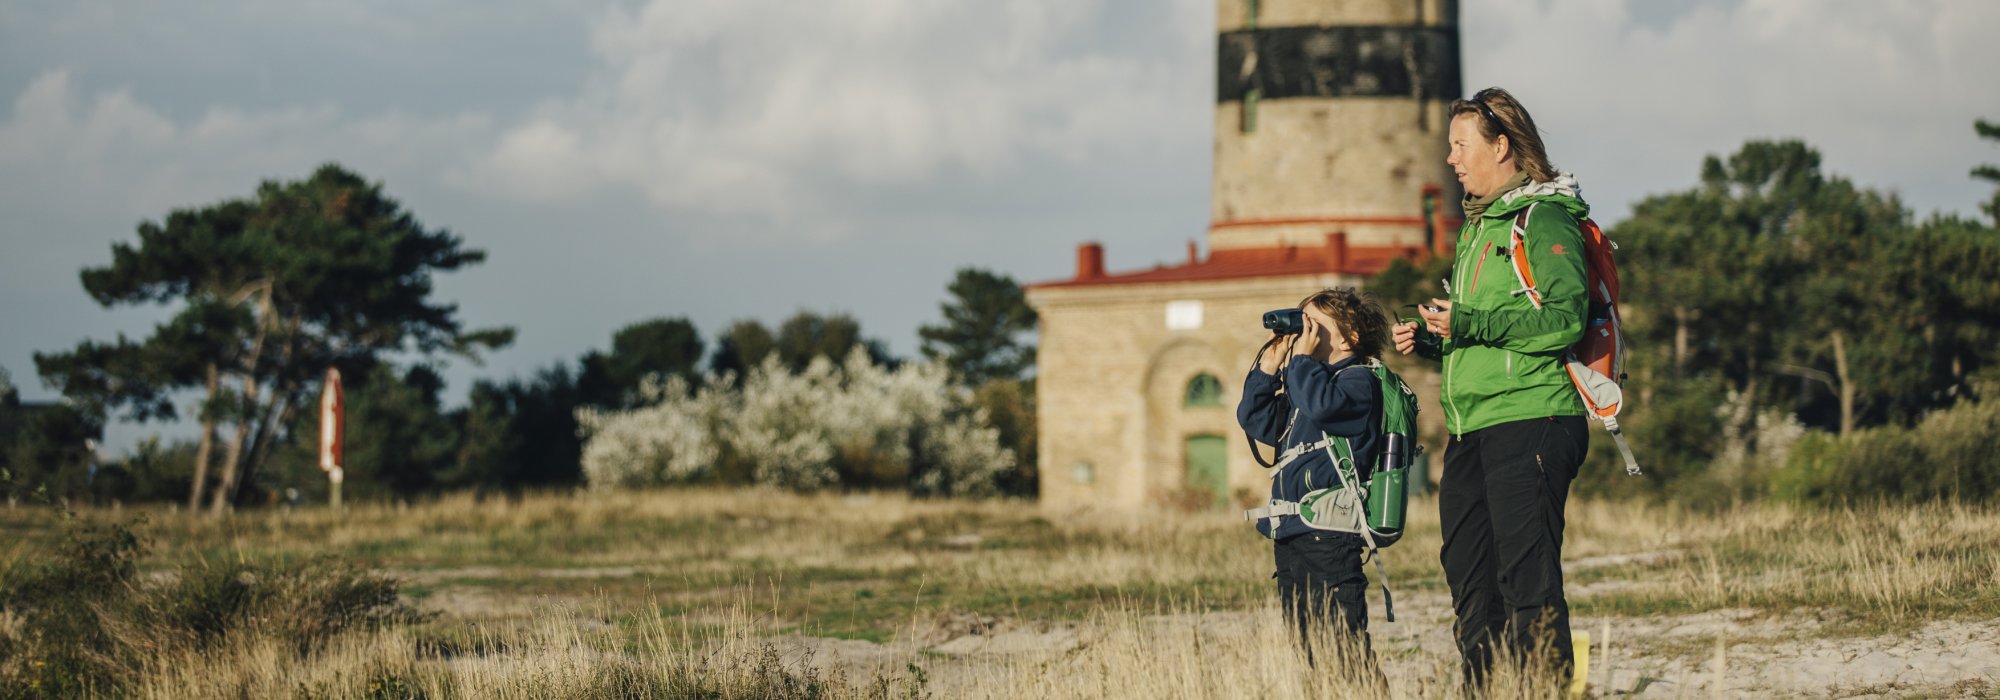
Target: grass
(713, 593)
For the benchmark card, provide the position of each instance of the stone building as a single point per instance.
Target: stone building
(1329, 163)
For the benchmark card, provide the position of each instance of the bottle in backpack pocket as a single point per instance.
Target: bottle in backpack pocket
(1395, 451)
(1388, 502)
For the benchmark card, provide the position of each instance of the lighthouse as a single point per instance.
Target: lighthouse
(1329, 163)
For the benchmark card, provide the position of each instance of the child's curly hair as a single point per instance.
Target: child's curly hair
(1366, 327)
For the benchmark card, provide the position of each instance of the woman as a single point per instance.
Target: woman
(1516, 422)
(1326, 389)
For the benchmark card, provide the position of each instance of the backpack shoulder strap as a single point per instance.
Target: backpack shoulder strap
(1517, 253)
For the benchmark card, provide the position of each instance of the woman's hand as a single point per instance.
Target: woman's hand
(1438, 321)
(1406, 337)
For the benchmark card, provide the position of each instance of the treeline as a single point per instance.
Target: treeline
(271, 290)
(1794, 334)
(524, 433)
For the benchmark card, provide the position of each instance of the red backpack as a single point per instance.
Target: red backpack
(1596, 363)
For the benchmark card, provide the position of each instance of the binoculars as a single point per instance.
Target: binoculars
(1285, 321)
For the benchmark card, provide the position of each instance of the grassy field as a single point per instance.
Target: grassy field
(767, 594)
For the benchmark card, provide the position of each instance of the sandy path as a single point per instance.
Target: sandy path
(1725, 653)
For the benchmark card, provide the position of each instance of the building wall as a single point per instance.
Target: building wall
(1112, 378)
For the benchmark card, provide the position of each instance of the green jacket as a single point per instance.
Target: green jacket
(1503, 361)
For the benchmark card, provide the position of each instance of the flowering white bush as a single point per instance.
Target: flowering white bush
(854, 424)
(671, 441)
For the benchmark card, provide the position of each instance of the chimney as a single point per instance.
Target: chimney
(1090, 261)
(1194, 253)
(1336, 250)
(1438, 236)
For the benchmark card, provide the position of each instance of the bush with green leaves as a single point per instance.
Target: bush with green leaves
(855, 424)
(1948, 455)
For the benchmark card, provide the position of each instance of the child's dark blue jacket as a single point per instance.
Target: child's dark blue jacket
(1328, 400)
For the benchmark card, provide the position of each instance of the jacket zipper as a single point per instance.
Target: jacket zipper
(1450, 361)
(1484, 253)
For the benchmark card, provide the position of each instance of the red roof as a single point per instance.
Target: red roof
(1241, 263)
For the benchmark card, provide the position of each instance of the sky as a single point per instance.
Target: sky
(747, 159)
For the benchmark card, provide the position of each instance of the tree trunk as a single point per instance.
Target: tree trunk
(1846, 383)
(279, 415)
(232, 461)
(1646, 388)
(1680, 341)
(1746, 415)
(206, 451)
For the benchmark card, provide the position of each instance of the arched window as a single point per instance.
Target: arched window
(1204, 390)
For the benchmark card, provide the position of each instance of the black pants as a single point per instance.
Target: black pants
(1501, 507)
(1320, 583)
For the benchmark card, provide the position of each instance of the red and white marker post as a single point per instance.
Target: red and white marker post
(332, 432)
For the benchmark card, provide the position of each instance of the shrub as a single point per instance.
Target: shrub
(856, 424)
(1948, 454)
(1010, 406)
(80, 620)
(58, 642)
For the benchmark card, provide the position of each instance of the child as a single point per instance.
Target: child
(1326, 390)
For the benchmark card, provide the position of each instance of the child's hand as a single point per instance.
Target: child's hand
(1274, 355)
(1309, 339)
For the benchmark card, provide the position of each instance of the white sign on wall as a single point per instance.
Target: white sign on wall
(1184, 315)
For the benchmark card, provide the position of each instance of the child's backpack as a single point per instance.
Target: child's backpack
(1596, 363)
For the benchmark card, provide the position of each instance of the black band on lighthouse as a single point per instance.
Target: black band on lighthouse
(1347, 61)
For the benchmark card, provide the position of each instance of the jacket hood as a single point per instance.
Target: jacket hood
(1561, 191)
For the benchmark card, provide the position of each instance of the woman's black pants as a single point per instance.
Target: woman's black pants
(1500, 503)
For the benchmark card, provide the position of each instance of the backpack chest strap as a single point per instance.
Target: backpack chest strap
(1300, 450)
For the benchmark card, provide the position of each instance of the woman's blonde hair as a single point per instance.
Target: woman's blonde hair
(1360, 318)
(1498, 114)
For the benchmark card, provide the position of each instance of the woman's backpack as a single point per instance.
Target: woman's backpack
(1596, 363)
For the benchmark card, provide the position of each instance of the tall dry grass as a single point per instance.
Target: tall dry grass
(714, 593)
(1123, 652)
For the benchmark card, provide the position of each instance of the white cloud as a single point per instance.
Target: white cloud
(109, 152)
(772, 108)
(1886, 91)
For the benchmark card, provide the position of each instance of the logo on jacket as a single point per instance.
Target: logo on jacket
(1557, 249)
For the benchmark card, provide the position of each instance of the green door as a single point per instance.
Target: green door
(1208, 466)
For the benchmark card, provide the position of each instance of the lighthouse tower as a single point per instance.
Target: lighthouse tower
(1330, 116)
(1329, 163)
